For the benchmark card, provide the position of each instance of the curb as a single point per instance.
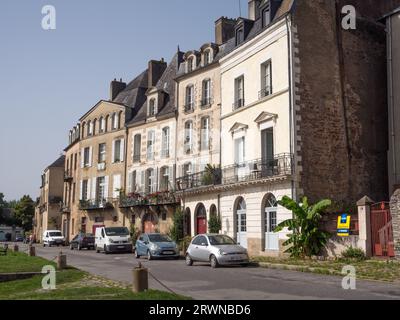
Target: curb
(298, 268)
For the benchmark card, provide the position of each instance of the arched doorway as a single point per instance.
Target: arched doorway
(187, 223)
(149, 222)
(269, 223)
(201, 219)
(241, 223)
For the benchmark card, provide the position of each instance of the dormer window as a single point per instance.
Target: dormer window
(152, 108)
(239, 36)
(207, 57)
(190, 63)
(266, 15)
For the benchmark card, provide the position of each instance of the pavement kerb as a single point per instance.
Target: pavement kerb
(297, 268)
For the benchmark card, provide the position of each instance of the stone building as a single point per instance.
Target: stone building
(47, 211)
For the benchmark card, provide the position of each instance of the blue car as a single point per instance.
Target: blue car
(155, 245)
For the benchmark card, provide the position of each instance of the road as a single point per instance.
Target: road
(231, 283)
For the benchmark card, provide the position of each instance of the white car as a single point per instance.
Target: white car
(53, 237)
(113, 239)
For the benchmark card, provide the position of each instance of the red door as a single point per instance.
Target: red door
(381, 230)
(149, 227)
(201, 225)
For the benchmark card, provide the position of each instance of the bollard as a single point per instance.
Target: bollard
(140, 279)
(16, 248)
(32, 251)
(61, 261)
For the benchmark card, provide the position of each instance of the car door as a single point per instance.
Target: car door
(140, 245)
(73, 242)
(203, 249)
(199, 250)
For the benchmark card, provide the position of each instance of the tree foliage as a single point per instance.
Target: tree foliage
(24, 212)
(214, 224)
(177, 229)
(306, 238)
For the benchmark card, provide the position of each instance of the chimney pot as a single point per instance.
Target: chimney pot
(224, 30)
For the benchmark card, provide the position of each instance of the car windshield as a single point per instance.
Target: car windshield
(117, 231)
(220, 240)
(55, 234)
(159, 238)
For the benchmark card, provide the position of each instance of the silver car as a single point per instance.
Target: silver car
(218, 249)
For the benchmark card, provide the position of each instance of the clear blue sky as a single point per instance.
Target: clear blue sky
(48, 79)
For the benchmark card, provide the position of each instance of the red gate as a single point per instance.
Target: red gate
(381, 230)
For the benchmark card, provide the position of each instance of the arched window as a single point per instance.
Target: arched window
(94, 126)
(165, 142)
(89, 128)
(270, 222)
(241, 222)
(188, 139)
(201, 219)
(187, 223)
(190, 64)
(102, 126)
(152, 108)
(106, 122)
(114, 119)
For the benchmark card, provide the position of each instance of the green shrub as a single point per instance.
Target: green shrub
(177, 232)
(353, 253)
(214, 224)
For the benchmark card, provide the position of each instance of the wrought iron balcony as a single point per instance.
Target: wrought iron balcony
(238, 104)
(265, 92)
(68, 175)
(96, 204)
(131, 200)
(152, 199)
(258, 169)
(201, 179)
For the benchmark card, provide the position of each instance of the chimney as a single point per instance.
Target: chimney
(116, 87)
(254, 9)
(224, 30)
(156, 69)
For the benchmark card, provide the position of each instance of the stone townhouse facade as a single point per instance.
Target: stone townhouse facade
(47, 211)
(280, 104)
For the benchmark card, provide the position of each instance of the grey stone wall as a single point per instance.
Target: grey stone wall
(395, 211)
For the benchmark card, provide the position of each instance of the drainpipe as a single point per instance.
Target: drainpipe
(291, 104)
(126, 163)
(391, 103)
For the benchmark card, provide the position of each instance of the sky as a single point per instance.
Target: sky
(50, 78)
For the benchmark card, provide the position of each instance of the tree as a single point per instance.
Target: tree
(177, 230)
(306, 238)
(214, 224)
(24, 212)
(2, 206)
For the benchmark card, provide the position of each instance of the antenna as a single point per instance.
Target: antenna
(240, 8)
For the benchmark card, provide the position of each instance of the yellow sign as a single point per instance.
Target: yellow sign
(343, 225)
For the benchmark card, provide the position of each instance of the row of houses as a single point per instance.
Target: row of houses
(282, 102)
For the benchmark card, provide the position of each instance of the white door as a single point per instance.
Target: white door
(241, 235)
(271, 238)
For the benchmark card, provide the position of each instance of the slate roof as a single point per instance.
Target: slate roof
(59, 163)
(165, 84)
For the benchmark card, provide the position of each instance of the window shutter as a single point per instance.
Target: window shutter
(81, 190)
(106, 186)
(122, 150)
(90, 156)
(82, 157)
(142, 179)
(116, 185)
(89, 188)
(94, 185)
(113, 152)
(171, 178)
(129, 186)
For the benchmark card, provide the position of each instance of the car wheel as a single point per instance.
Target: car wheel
(44, 245)
(214, 262)
(137, 255)
(79, 247)
(189, 261)
(149, 256)
(97, 250)
(71, 247)
(105, 249)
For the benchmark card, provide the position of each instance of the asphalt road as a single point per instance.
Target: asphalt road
(226, 283)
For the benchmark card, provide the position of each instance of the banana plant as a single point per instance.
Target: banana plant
(306, 238)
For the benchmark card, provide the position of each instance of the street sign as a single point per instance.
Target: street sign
(343, 225)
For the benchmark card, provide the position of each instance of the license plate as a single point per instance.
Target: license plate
(236, 258)
(121, 247)
(168, 252)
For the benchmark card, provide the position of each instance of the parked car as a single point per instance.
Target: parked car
(217, 249)
(113, 239)
(53, 237)
(82, 241)
(19, 238)
(156, 245)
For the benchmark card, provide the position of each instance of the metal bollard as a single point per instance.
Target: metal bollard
(61, 261)
(32, 251)
(16, 248)
(140, 279)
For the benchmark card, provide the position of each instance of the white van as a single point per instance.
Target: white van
(113, 239)
(53, 237)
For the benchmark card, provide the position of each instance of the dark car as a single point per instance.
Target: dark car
(19, 238)
(81, 241)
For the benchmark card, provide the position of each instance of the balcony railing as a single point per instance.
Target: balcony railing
(153, 199)
(96, 204)
(253, 170)
(265, 92)
(189, 107)
(206, 102)
(201, 179)
(238, 104)
(68, 175)
(136, 158)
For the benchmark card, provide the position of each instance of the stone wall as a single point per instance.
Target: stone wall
(395, 211)
(341, 105)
